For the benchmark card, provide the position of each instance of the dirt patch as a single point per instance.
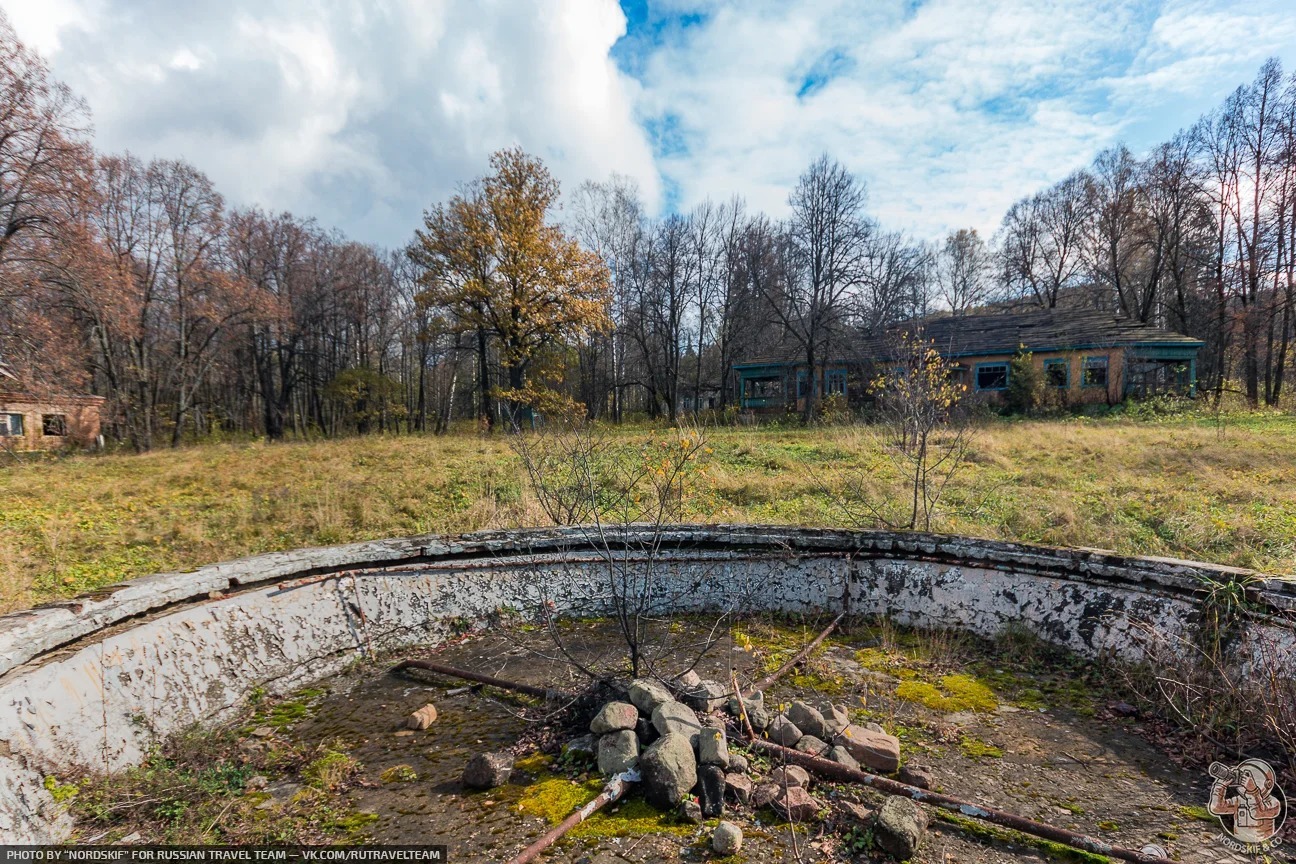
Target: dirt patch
(1036, 744)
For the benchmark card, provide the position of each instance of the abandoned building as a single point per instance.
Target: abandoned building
(29, 421)
(1084, 357)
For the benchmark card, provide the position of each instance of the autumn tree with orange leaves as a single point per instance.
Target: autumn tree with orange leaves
(495, 261)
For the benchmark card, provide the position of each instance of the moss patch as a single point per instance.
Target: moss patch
(1193, 811)
(399, 774)
(555, 798)
(955, 693)
(993, 834)
(975, 748)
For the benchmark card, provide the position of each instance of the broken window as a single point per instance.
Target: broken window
(54, 424)
(11, 425)
(992, 376)
(764, 388)
(1057, 372)
(837, 382)
(1094, 372)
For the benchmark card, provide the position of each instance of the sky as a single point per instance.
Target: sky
(362, 113)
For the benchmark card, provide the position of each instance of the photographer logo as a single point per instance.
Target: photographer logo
(1249, 804)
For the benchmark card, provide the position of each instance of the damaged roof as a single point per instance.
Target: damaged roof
(1004, 333)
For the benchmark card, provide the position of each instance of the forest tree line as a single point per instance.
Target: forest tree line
(136, 281)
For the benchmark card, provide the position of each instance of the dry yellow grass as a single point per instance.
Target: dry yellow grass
(1179, 487)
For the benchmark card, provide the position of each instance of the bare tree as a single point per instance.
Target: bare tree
(827, 243)
(964, 270)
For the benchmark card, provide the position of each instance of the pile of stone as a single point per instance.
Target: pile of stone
(826, 732)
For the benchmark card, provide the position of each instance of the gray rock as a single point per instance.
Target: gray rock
(614, 716)
(690, 811)
(488, 770)
(757, 715)
(674, 717)
(916, 775)
(858, 812)
(711, 789)
(739, 786)
(581, 747)
(900, 828)
(797, 805)
(738, 763)
(790, 775)
(707, 696)
(812, 745)
(881, 752)
(646, 694)
(712, 748)
(617, 752)
(842, 756)
(669, 770)
(836, 718)
(727, 839)
(783, 731)
(689, 681)
(764, 794)
(874, 727)
(759, 718)
(808, 720)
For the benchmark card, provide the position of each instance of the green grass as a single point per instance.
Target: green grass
(1178, 486)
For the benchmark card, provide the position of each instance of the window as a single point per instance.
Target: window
(764, 388)
(992, 376)
(802, 380)
(837, 382)
(54, 424)
(1094, 372)
(1057, 373)
(11, 425)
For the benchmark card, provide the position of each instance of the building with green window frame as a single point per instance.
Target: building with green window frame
(1083, 356)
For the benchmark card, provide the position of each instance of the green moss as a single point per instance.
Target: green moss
(60, 791)
(533, 764)
(399, 774)
(1168, 835)
(1108, 825)
(330, 770)
(354, 826)
(956, 693)
(554, 800)
(1194, 811)
(993, 834)
(977, 749)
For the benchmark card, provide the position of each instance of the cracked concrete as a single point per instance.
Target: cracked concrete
(95, 681)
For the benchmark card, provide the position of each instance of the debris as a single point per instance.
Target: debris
(674, 717)
(842, 756)
(614, 716)
(618, 752)
(452, 672)
(858, 812)
(727, 839)
(778, 673)
(488, 770)
(457, 691)
(262, 732)
(1124, 709)
(812, 745)
(647, 694)
(878, 751)
(783, 731)
(669, 770)
(916, 775)
(739, 786)
(256, 783)
(834, 771)
(808, 720)
(712, 748)
(422, 718)
(711, 786)
(900, 828)
(796, 804)
(615, 788)
(790, 775)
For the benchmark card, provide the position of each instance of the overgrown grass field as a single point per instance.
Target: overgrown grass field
(1187, 486)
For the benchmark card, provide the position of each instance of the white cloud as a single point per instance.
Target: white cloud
(365, 111)
(360, 113)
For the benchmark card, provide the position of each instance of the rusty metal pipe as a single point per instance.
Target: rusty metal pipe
(796, 658)
(615, 788)
(836, 771)
(488, 680)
